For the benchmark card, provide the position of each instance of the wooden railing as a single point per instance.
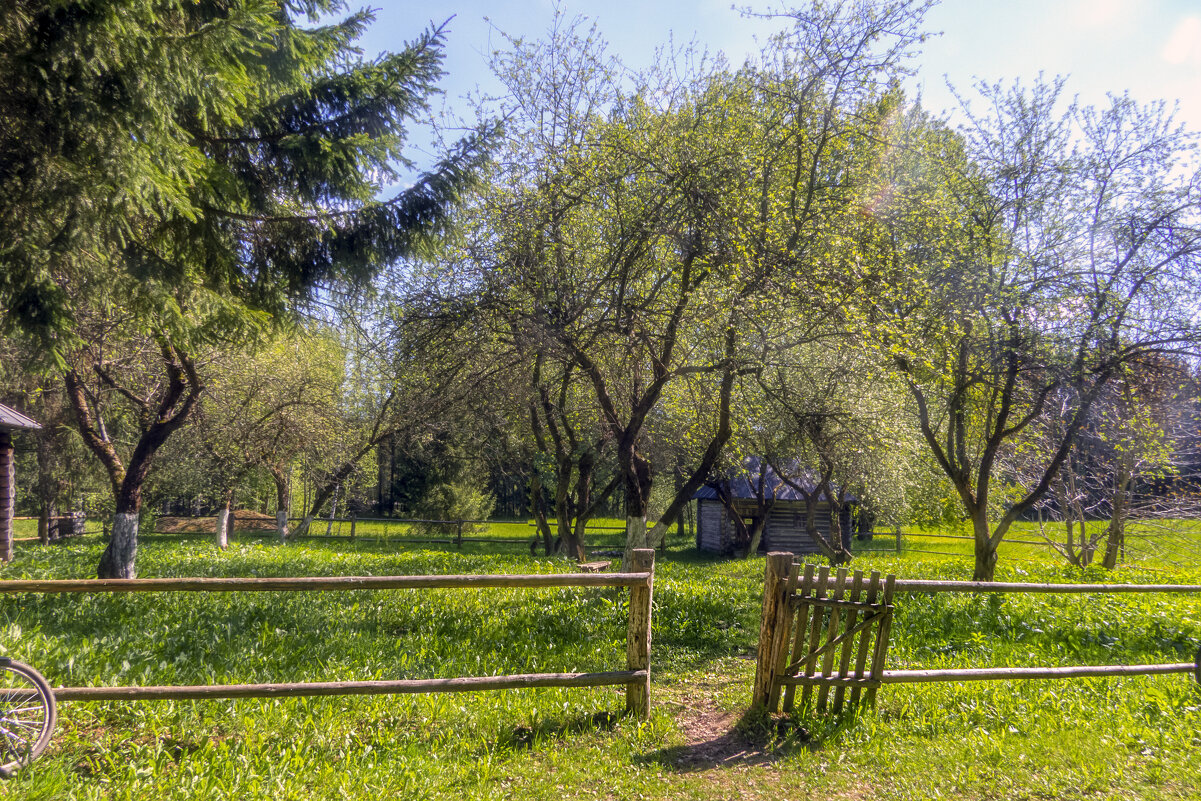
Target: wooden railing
(636, 676)
(840, 636)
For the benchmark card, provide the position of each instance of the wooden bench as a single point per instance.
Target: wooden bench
(594, 567)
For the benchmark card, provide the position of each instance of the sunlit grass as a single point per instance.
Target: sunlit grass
(1119, 738)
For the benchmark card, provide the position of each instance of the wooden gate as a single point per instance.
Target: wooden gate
(821, 632)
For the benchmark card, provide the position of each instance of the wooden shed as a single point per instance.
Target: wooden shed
(10, 420)
(783, 506)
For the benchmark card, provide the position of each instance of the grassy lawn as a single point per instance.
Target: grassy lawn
(1113, 738)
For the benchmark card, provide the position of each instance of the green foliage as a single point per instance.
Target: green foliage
(464, 499)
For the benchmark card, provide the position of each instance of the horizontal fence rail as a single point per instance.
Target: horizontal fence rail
(325, 583)
(319, 688)
(635, 678)
(928, 586)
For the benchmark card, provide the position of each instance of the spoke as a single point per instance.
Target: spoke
(37, 725)
(12, 735)
(17, 757)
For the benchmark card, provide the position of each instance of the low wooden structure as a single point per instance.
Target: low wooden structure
(10, 420)
(783, 506)
(830, 633)
(635, 678)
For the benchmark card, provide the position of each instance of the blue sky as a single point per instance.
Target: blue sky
(1151, 48)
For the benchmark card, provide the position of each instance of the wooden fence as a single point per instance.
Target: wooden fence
(831, 633)
(635, 678)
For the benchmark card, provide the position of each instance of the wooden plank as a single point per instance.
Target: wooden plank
(326, 583)
(830, 681)
(844, 605)
(832, 631)
(775, 576)
(783, 634)
(638, 634)
(1009, 673)
(452, 685)
(925, 586)
(873, 587)
(882, 634)
(803, 599)
(848, 646)
(815, 631)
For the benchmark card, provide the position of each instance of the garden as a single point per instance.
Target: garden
(1080, 738)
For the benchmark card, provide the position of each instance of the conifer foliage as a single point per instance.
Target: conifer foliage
(216, 155)
(187, 172)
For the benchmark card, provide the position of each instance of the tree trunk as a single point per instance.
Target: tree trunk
(47, 487)
(283, 501)
(638, 494)
(44, 523)
(117, 561)
(986, 551)
(225, 519)
(757, 527)
(538, 508)
(1116, 536)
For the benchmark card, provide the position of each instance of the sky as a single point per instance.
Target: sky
(1150, 48)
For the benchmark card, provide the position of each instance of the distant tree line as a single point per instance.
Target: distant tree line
(613, 298)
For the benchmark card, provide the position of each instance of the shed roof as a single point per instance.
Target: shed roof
(744, 482)
(12, 420)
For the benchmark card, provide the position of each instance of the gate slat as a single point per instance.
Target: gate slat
(832, 629)
(802, 627)
(873, 587)
(881, 640)
(815, 632)
(844, 659)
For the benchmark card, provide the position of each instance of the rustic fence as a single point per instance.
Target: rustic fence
(830, 633)
(1147, 542)
(635, 678)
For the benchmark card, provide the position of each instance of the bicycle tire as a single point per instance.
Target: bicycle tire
(28, 713)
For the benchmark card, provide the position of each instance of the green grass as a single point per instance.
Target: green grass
(1120, 738)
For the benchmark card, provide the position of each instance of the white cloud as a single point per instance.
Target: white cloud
(1184, 45)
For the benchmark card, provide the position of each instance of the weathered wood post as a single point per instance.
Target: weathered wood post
(353, 522)
(638, 635)
(7, 495)
(775, 585)
(898, 537)
(459, 536)
(10, 420)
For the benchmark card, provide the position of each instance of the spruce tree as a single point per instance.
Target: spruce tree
(187, 172)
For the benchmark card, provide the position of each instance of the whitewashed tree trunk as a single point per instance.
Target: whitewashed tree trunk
(122, 551)
(635, 538)
(281, 525)
(223, 521)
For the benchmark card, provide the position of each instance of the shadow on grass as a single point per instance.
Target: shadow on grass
(522, 737)
(722, 740)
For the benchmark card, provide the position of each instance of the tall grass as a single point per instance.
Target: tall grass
(1117, 738)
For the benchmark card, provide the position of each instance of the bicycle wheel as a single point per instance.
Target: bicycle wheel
(27, 715)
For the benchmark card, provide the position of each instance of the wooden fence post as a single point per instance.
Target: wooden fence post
(354, 519)
(459, 536)
(775, 583)
(638, 635)
(898, 537)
